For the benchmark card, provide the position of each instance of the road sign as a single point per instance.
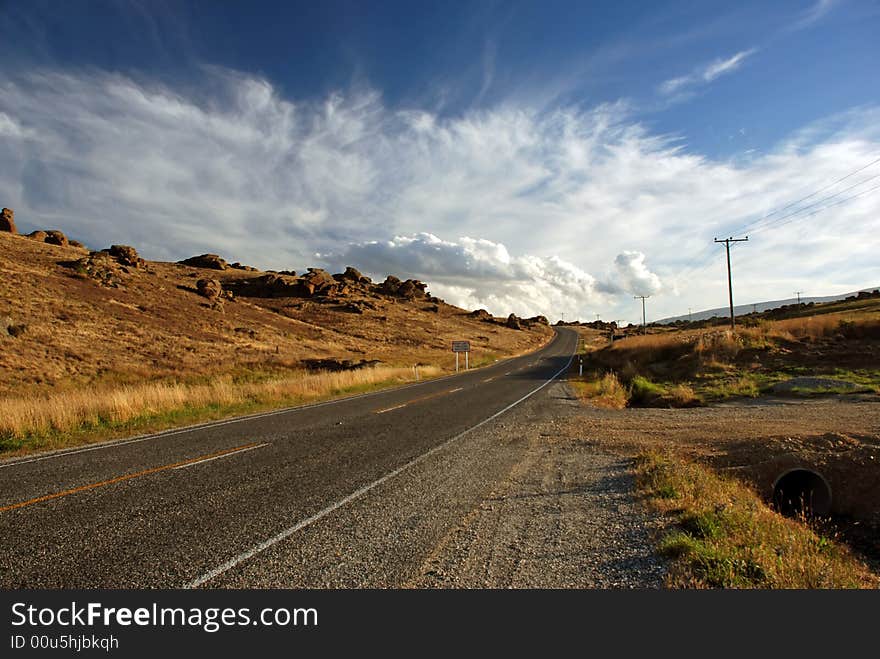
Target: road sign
(461, 346)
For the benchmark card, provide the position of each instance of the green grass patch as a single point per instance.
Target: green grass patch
(723, 536)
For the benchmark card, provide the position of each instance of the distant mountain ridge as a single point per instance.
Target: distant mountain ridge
(743, 309)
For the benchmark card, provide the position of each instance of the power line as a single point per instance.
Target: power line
(809, 196)
(813, 205)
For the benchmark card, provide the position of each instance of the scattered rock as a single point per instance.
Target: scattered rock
(513, 322)
(39, 236)
(55, 237)
(209, 288)
(481, 314)
(7, 221)
(126, 255)
(77, 244)
(239, 266)
(10, 328)
(209, 261)
(434, 308)
(538, 320)
(99, 266)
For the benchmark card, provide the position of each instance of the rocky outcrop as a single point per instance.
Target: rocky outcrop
(481, 314)
(239, 266)
(126, 255)
(77, 244)
(7, 221)
(538, 320)
(55, 237)
(268, 285)
(318, 282)
(409, 289)
(39, 236)
(209, 288)
(513, 322)
(99, 266)
(209, 261)
(353, 275)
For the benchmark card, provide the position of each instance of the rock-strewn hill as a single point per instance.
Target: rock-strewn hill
(69, 316)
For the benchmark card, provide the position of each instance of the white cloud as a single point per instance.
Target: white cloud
(478, 273)
(635, 276)
(549, 198)
(706, 73)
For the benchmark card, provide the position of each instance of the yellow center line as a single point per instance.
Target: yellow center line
(420, 399)
(126, 477)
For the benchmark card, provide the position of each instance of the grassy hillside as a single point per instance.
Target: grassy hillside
(837, 349)
(95, 344)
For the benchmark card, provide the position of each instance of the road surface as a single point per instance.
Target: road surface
(350, 493)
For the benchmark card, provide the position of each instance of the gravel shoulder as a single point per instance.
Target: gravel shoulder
(564, 516)
(517, 503)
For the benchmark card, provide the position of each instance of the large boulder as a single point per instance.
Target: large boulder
(7, 221)
(318, 281)
(209, 288)
(353, 275)
(538, 320)
(481, 314)
(55, 237)
(39, 236)
(409, 289)
(513, 322)
(126, 255)
(209, 261)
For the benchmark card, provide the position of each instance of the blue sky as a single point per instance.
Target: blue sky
(530, 156)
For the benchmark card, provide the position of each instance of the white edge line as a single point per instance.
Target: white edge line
(220, 457)
(452, 391)
(286, 533)
(113, 443)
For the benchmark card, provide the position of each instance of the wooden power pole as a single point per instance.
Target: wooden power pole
(727, 242)
(644, 323)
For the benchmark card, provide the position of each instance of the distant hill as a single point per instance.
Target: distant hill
(743, 309)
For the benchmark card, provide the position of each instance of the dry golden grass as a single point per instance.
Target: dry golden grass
(726, 537)
(606, 392)
(96, 406)
(154, 326)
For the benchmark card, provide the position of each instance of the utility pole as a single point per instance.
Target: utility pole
(799, 293)
(727, 242)
(644, 323)
(690, 314)
(754, 308)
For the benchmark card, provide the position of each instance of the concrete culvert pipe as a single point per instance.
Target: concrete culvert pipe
(802, 491)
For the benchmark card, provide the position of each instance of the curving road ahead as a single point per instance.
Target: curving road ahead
(350, 493)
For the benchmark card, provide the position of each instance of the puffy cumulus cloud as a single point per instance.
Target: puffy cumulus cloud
(478, 273)
(230, 165)
(635, 277)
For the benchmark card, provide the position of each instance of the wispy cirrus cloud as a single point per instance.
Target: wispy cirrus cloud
(706, 73)
(514, 208)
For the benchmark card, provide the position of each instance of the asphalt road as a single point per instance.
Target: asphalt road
(350, 493)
